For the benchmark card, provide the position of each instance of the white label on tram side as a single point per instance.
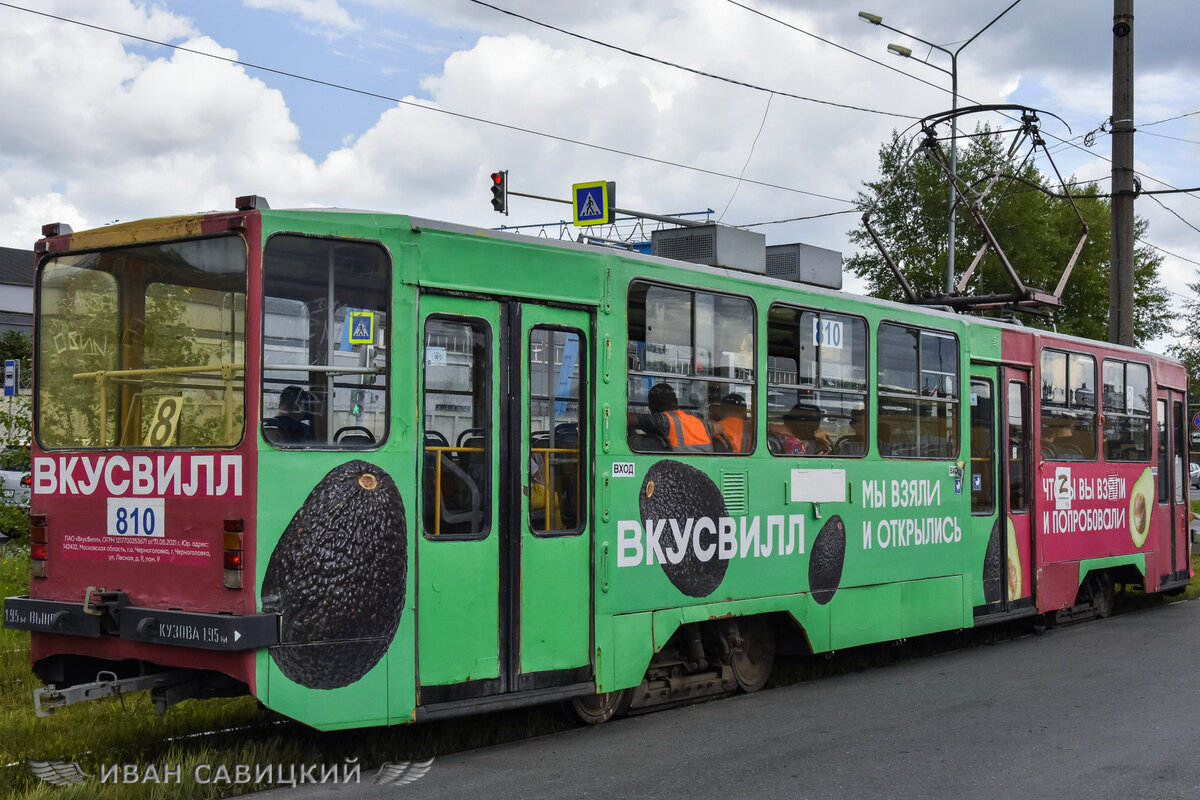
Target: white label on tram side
(827, 333)
(624, 469)
(141, 517)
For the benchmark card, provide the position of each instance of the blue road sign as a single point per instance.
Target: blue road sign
(11, 377)
(591, 202)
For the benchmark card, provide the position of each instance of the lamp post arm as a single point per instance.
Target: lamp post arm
(923, 41)
(984, 28)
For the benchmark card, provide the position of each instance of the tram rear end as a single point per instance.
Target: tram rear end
(142, 514)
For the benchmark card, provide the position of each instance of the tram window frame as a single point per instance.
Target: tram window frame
(794, 352)
(1018, 449)
(983, 445)
(908, 405)
(569, 499)
(300, 285)
(1067, 405)
(483, 376)
(1125, 414)
(703, 386)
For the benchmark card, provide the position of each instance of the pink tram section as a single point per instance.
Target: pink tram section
(1103, 429)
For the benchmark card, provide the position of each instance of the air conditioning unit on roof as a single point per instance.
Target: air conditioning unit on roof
(714, 245)
(805, 263)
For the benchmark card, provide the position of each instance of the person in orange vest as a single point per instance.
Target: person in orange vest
(677, 428)
(732, 427)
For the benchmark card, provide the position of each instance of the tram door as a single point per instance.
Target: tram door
(503, 560)
(1173, 478)
(999, 485)
(1016, 440)
(979, 479)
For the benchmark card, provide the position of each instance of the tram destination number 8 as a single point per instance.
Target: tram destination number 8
(164, 422)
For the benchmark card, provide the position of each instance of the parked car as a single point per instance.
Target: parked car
(15, 479)
(1195, 475)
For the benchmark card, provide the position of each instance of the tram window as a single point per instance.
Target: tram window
(325, 304)
(816, 383)
(556, 368)
(1068, 382)
(1018, 413)
(918, 395)
(455, 404)
(691, 371)
(1164, 455)
(1126, 411)
(983, 451)
(143, 346)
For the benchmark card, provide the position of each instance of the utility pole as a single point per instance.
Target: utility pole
(1120, 317)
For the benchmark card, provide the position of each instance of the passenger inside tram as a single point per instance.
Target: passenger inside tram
(672, 427)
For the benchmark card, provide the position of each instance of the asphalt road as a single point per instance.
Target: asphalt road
(1096, 710)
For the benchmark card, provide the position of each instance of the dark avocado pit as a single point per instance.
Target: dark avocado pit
(826, 560)
(992, 566)
(675, 491)
(337, 578)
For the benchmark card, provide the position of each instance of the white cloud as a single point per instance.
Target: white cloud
(121, 129)
(326, 14)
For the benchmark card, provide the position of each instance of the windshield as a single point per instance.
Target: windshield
(143, 346)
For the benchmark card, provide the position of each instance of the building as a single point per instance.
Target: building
(16, 290)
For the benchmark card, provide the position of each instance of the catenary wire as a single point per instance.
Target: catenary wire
(447, 112)
(692, 70)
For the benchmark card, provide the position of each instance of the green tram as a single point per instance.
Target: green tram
(373, 469)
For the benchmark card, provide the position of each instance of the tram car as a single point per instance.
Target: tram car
(373, 469)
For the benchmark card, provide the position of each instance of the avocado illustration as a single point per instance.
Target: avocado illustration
(337, 578)
(991, 566)
(683, 495)
(1141, 504)
(826, 560)
(1014, 563)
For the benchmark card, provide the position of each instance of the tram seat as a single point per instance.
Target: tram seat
(272, 432)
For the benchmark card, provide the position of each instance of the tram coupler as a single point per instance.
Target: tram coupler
(100, 602)
(170, 685)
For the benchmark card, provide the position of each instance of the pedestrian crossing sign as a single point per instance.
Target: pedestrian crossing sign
(362, 327)
(592, 202)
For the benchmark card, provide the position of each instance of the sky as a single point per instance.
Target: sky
(409, 105)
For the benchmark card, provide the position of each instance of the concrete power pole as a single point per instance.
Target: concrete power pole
(1120, 318)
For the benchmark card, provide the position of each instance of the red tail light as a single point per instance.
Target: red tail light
(37, 545)
(233, 533)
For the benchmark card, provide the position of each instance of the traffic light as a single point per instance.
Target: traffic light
(500, 191)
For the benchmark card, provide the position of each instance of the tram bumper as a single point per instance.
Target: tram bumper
(106, 613)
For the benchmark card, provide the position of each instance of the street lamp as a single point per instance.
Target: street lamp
(906, 52)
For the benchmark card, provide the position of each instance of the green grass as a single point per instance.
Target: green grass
(126, 731)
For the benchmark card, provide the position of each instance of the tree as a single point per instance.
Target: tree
(1187, 345)
(1037, 232)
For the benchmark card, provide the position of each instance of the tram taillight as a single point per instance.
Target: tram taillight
(37, 545)
(233, 532)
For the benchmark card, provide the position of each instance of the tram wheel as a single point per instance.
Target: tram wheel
(592, 709)
(751, 662)
(1103, 594)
